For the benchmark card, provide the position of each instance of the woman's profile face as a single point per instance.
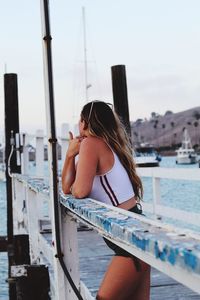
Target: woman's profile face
(81, 125)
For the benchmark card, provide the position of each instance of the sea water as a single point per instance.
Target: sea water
(182, 194)
(3, 255)
(179, 194)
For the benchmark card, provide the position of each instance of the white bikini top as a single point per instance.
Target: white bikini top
(113, 187)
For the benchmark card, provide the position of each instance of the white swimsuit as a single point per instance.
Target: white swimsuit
(113, 187)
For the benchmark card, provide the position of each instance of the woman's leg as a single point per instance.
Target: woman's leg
(142, 291)
(122, 279)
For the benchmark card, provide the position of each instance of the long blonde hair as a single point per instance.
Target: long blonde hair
(102, 122)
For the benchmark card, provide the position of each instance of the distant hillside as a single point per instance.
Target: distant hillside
(167, 130)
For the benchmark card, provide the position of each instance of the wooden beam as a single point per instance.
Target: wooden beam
(175, 254)
(11, 128)
(120, 95)
(3, 243)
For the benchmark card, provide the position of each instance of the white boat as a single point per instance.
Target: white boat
(146, 157)
(186, 154)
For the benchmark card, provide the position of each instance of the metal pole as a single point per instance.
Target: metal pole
(59, 266)
(51, 133)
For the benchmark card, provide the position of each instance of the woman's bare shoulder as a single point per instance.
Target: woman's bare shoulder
(90, 149)
(92, 141)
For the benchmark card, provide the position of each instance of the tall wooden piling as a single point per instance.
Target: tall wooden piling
(33, 282)
(120, 95)
(11, 127)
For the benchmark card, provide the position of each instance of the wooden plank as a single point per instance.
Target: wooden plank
(173, 292)
(3, 243)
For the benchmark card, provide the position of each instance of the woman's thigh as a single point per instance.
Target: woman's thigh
(142, 291)
(121, 279)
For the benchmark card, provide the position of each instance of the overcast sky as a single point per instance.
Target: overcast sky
(157, 40)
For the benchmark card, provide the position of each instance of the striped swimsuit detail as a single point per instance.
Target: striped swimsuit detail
(107, 188)
(113, 187)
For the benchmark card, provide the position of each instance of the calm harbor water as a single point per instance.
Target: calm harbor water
(175, 193)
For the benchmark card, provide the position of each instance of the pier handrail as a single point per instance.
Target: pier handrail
(156, 207)
(173, 252)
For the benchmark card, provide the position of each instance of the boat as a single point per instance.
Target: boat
(186, 154)
(146, 156)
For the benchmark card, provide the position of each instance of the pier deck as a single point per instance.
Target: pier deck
(94, 257)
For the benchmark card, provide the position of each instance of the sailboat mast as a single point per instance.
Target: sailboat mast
(85, 55)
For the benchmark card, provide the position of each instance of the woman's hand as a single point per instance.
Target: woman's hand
(69, 170)
(74, 145)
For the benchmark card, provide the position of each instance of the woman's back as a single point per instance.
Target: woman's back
(111, 183)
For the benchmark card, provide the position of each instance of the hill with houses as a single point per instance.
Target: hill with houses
(166, 131)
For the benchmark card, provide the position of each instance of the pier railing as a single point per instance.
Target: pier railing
(159, 210)
(155, 207)
(172, 251)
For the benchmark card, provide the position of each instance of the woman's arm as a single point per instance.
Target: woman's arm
(86, 168)
(69, 171)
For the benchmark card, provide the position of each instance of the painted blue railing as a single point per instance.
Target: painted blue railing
(162, 246)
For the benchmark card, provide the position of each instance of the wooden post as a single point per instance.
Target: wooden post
(156, 196)
(120, 95)
(11, 125)
(19, 208)
(21, 249)
(3, 243)
(32, 282)
(33, 215)
(39, 155)
(25, 153)
(70, 250)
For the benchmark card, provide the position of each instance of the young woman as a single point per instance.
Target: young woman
(106, 172)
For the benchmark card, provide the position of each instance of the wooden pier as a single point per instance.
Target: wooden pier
(173, 252)
(94, 257)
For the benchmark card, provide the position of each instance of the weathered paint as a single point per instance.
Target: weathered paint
(19, 271)
(173, 248)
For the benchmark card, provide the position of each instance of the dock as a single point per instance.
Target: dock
(173, 254)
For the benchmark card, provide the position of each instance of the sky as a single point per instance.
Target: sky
(157, 40)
